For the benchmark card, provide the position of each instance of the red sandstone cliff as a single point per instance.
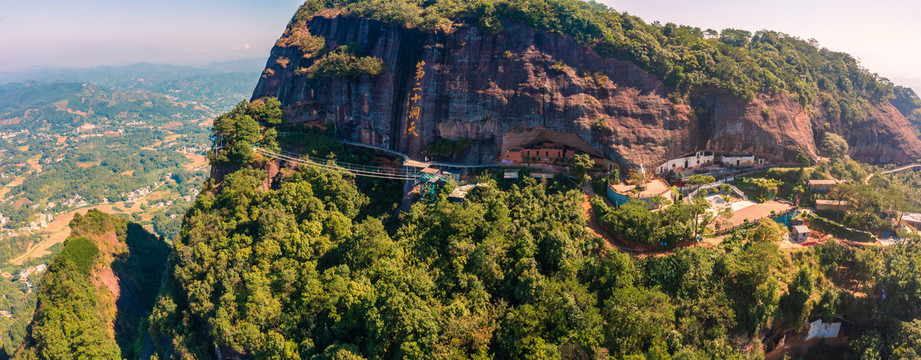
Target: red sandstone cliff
(504, 91)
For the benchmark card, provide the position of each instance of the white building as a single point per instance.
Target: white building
(739, 160)
(693, 161)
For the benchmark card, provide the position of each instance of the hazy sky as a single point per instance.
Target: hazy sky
(884, 34)
(64, 33)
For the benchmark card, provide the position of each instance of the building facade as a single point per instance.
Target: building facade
(740, 160)
(548, 153)
(822, 186)
(692, 161)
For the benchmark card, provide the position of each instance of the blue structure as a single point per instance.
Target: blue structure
(785, 218)
(617, 199)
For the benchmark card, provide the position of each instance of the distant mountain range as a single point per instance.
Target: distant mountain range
(219, 85)
(112, 74)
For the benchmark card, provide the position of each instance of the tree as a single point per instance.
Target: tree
(834, 146)
(698, 179)
(795, 304)
(802, 160)
(271, 113)
(868, 346)
(614, 176)
(581, 164)
(637, 317)
(734, 37)
(637, 178)
(896, 201)
(766, 230)
(247, 129)
(699, 207)
(906, 343)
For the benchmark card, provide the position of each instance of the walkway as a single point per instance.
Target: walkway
(414, 163)
(378, 148)
(403, 173)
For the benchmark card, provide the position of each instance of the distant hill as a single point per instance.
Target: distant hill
(112, 74)
(219, 85)
(33, 105)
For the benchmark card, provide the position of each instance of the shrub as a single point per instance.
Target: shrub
(298, 35)
(600, 124)
(283, 61)
(559, 67)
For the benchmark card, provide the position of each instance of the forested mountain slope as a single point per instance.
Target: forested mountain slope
(405, 74)
(283, 262)
(94, 300)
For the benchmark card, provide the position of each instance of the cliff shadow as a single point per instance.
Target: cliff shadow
(139, 273)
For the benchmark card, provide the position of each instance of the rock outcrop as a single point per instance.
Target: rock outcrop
(522, 84)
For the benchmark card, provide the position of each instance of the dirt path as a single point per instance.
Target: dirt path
(594, 227)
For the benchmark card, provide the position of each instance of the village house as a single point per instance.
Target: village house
(548, 153)
(800, 233)
(541, 152)
(831, 205)
(739, 160)
(692, 161)
(912, 219)
(822, 186)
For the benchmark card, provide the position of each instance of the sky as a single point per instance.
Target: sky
(85, 33)
(883, 34)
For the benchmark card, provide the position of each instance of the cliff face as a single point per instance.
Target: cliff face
(523, 85)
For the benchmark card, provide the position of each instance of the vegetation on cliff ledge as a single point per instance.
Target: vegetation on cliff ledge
(347, 61)
(692, 61)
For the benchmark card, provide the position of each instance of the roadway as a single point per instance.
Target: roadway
(906, 167)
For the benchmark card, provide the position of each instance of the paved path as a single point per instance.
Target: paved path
(906, 167)
(420, 164)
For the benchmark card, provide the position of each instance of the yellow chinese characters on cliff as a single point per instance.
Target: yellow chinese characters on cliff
(413, 104)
